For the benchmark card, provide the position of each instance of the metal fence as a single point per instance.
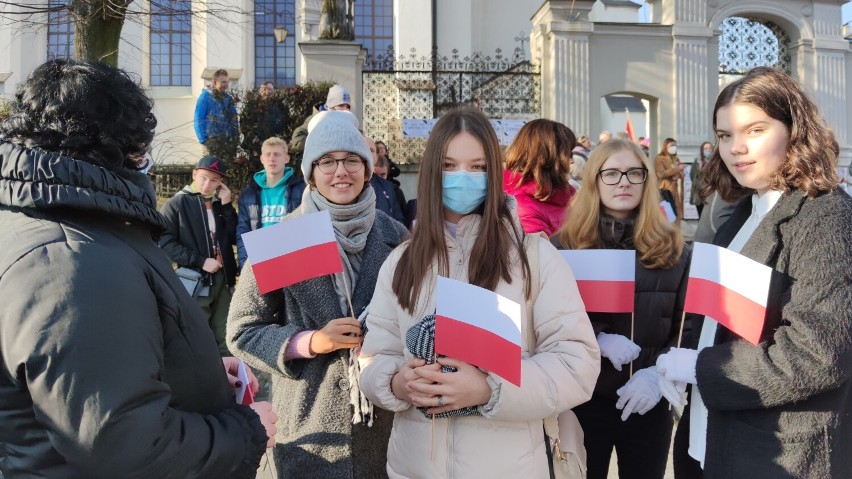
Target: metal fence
(169, 179)
(415, 86)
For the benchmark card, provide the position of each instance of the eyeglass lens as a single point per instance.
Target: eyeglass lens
(328, 165)
(635, 176)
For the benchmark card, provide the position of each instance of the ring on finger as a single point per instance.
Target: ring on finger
(441, 401)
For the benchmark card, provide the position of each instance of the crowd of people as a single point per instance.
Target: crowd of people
(113, 365)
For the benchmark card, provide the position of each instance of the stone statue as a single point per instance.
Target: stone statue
(338, 20)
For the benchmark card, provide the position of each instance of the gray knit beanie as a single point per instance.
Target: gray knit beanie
(334, 131)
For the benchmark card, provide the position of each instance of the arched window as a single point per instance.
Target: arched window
(274, 61)
(171, 46)
(374, 25)
(746, 43)
(60, 30)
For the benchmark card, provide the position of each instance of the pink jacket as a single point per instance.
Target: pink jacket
(536, 215)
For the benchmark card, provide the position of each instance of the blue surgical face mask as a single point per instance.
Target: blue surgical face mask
(464, 191)
(707, 154)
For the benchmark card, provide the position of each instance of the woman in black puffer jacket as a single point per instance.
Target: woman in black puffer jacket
(107, 367)
(618, 208)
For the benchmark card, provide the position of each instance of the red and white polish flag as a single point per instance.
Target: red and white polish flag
(480, 327)
(729, 288)
(245, 396)
(606, 278)
(292, 251)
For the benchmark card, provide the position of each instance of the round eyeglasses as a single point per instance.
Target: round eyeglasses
(612, 176)
(328, 165)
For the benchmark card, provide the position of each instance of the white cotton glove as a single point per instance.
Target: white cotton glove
(618, 349)
(678, 365)
(640, 394)
(673, 391)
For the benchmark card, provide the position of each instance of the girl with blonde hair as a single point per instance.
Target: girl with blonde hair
(618, 208)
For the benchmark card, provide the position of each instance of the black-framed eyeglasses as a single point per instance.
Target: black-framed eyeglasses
(612, 176)
(328, 165)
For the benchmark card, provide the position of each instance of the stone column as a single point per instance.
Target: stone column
(692, 95)
(335, 60)
(694, 81)
(561, 31)
(831, 90)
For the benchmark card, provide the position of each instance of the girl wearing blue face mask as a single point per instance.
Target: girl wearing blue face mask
(468, 230)
(695, 175)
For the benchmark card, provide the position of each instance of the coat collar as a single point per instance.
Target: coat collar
(45, 180)
(764, 243)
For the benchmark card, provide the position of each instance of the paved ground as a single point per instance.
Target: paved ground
(266, 472)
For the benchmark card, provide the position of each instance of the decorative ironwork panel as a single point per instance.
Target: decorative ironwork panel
(746, 43)
(407, 86)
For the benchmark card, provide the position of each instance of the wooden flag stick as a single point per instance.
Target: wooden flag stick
(679, 338)
(348, 294)
(680, 333)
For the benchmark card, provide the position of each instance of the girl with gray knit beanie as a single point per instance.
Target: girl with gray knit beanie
(307, 335)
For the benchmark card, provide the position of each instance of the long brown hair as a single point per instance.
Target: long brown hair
(490, 260)
(811, 151)
(542, 152)
(658, 243)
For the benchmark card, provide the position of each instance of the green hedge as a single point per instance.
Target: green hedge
(294, 103)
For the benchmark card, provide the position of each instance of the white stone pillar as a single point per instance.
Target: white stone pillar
(831, 90)
(693, 102)
(339, 61)
(561, 31)
(307, 28)
(568, 84)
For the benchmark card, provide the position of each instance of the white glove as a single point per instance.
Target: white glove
(640, 394)
(678, 365)
(618, 349)
(673, 391)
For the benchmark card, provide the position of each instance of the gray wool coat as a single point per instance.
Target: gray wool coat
(316, 437)
(784, 408)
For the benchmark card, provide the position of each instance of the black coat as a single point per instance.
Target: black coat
(784, 408)
(107, 367)
(386, 198)
(187, 238)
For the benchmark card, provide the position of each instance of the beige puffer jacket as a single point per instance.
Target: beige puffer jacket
(508, 439)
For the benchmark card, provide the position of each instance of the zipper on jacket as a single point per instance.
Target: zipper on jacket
(206, 226)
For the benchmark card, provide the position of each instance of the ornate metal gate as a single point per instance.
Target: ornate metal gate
(412, 86)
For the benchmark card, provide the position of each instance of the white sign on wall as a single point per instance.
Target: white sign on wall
(417, 127)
